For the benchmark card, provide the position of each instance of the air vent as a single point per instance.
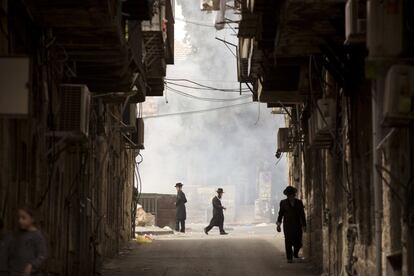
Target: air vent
(73, 117)
(399, 96)
(321, 124)
(355, 22)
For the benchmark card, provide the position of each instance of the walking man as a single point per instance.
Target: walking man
(218, 216)
(294, 222)
(181, 214)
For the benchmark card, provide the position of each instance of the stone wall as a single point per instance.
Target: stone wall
(81, 191)
(336, 187)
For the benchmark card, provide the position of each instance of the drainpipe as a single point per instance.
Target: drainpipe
(375, 44)
(377, 100)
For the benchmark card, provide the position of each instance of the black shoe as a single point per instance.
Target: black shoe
(205, 231)
(289, 261)
(296, 256)
(224, 233)
(182, 231)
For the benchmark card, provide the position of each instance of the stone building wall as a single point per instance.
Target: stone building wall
(81, 191)
(336, 186)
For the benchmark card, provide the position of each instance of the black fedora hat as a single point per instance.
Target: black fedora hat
(290, 190)
(220, 191)
(179, 184)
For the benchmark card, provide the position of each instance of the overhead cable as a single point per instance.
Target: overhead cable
(196, 111)
(209, 89)
(201, 85)
(184, 94)
(198, 23)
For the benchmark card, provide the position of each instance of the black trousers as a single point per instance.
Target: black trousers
(177, 225)
(289, 245)
(216, 222)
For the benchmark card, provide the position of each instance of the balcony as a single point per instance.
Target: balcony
(282, 84)
(158, 39)
(299, 34)
(93, 40)
(276, 39)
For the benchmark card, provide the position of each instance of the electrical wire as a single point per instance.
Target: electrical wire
(202, 85)
(139, 183)
(212, 80)
(231, 51)
(278, 161)
(198, 23)
(379, 170)
(209, 89)
(196, 111)
(228, 24)
(333, 136)
(138, 189)
(203, 98)
(392, 176)
(331, 133)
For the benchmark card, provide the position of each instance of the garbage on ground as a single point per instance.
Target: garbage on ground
(153, 230)
(167, 228)
(143, 239)
(143, 218)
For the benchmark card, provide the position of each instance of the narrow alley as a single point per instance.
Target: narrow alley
(248, 250)
(206, 137)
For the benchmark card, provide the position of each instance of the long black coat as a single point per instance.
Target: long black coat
(218, 216)
(181, 213)
(293, 220)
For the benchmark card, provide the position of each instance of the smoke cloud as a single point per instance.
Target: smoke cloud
(226, 147)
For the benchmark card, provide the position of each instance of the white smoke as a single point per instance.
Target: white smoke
(223, 147)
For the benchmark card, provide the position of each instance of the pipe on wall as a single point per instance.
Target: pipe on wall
(377, 100)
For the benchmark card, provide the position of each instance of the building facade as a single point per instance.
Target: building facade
(72, 75)
(342, 73)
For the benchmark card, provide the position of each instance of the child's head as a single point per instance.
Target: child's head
(25, 217)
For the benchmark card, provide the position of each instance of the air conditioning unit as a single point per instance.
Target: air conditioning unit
(384, 28)
(129, 118)
(73, 117)
(14, 86)
(138, 136)
(321, 122)
(355, 27)
(399, 96)
(285, 140)
(325, 115)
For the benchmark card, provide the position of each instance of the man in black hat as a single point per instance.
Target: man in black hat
(181, 214)
(292, 212)
(218, 216)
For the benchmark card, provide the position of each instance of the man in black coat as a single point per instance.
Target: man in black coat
(218, 216)
(292, 213)
(181, 214)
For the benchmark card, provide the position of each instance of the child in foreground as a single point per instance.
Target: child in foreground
(29, 250)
